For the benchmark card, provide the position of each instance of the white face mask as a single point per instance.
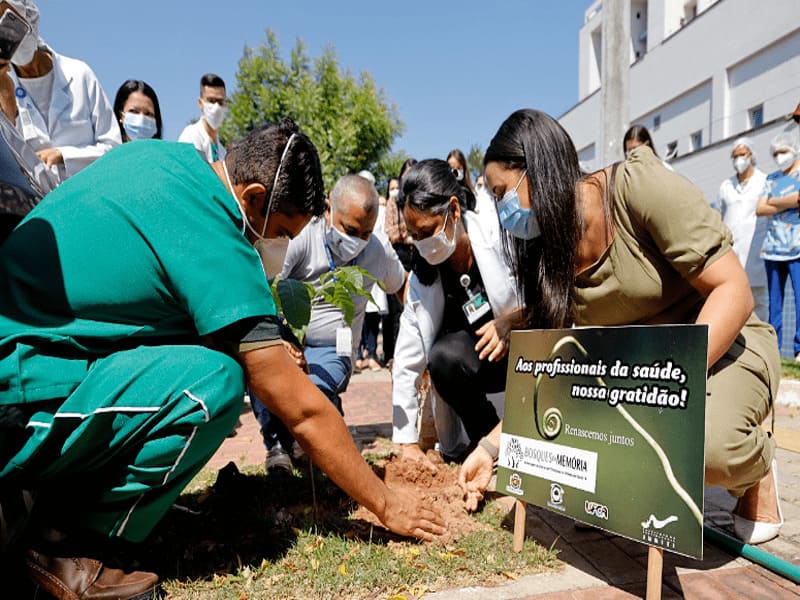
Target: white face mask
(437, 248)
(26, 50)
(784, 159)
(741, 164)
(346, 247)
(394, 193)
(272, 251)
(214, 114)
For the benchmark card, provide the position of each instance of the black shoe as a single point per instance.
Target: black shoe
(278, 459)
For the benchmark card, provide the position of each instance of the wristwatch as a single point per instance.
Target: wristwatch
(493, 450)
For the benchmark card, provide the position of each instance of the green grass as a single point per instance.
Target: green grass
(790, 369)
(259, 536)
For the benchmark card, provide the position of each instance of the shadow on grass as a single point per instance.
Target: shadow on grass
(244, 519)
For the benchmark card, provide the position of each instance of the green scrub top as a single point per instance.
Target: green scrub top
(144, 246)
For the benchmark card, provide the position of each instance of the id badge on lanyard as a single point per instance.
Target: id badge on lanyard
(344, 341)
(344, 334)
(476, 305)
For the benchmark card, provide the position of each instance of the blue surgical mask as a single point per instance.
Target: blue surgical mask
(139, 127)
(519, 222)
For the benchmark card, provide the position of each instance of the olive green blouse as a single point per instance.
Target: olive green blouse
(666, 234)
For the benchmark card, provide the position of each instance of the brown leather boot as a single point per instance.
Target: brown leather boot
(70, 578)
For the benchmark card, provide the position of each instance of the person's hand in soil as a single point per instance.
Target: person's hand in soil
(414, 452)
(492, 344)
(406, 513)
(474, 476)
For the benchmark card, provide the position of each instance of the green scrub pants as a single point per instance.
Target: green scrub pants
(114, 455)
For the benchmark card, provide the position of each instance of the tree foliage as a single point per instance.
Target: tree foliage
(475, 160)
(349, 119)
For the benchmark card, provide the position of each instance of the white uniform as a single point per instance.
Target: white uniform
(197, 135)
(737, 203)
(79, 122)
(419, 325)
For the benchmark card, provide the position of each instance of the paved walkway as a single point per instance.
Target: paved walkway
(596, 565)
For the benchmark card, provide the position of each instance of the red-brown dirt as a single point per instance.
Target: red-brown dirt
(439, 486)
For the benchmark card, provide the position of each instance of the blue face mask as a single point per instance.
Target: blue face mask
(519, 222)
(139, 127)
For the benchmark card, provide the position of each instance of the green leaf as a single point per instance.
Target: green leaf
(295, 300)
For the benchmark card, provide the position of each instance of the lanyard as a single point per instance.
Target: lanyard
(328, 254)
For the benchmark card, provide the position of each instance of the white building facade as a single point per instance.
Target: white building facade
(702, 73)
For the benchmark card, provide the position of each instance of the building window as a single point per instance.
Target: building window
(672, 150)
(689, 12)
(757, 116)
(656, 122)
(697, 140)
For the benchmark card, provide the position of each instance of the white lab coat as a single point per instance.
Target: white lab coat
(80, 123)
(419, 325)
(196, 134)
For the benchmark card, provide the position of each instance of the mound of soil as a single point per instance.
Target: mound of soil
(439, 486)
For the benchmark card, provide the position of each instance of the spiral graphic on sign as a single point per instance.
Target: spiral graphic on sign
(552, 422)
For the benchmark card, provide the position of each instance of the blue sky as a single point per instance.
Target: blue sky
(455, 70)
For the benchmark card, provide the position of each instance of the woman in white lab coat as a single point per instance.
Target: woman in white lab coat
(62, 112)
(460, 296)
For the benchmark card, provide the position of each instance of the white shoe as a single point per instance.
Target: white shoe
(758, 532)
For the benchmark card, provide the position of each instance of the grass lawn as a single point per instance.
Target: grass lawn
(790, 369)
(252, 536)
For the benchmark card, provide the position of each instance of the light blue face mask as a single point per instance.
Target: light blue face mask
(139, 127)
(519, 222)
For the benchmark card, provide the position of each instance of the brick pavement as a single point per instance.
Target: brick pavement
(596, 565)
(367, 405)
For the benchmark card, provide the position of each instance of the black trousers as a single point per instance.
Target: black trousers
(463, 380)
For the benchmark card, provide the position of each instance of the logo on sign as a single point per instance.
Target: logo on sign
(514, 453)
(598, 510)
(652, 531)
(514, 484)
(556, 497)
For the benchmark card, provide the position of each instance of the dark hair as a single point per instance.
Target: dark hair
(543, 267)
(211, 80)
(427, 187)
(407, 164)
(640, 134)
(124, 91)
(459, 156)
(389, 183)
(255, 158)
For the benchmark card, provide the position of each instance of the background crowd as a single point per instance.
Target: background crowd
(460, 263)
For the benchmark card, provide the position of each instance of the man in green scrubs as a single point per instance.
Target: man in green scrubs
(132, 308)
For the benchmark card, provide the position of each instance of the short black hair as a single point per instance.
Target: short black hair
(256, 157)
(211, 80)
(125, 90)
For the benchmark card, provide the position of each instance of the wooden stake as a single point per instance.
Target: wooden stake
(519, 525)
(655, 566)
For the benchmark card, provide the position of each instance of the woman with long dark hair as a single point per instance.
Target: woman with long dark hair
(137, 111)
(460, 288)
(637, 244)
